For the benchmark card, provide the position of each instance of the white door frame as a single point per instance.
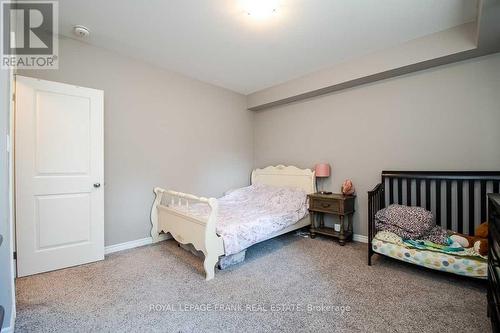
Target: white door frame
(12, 196)
(11, 216)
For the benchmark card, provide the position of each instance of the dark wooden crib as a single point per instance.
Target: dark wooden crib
(457, 198)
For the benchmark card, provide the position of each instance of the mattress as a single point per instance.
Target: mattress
(467, 266)
(251, 214)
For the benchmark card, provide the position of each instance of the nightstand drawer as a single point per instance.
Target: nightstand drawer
(325, 205)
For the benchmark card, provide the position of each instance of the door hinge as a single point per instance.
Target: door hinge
(14, 97)
(15, 255)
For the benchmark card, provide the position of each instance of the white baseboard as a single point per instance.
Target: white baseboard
(148, 240)
(9, 329)
(360, 238)
(12, 326)
(130, 245)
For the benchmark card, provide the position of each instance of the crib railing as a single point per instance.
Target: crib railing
(457, 198)
(376, 201)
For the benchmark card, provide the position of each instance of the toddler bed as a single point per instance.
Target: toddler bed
(222, 229)
(458, 202)
(461, 263)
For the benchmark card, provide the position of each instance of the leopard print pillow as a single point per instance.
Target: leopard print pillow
(414, 221)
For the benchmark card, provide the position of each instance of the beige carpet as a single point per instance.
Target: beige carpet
(289, 284)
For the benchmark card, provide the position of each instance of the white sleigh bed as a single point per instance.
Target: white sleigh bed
(194, 220)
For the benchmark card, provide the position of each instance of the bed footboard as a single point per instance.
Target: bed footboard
(376, 201)
(186, 228)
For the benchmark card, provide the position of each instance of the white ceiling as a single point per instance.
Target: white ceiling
(217, 42)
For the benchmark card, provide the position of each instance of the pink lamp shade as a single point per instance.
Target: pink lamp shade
(322, 170)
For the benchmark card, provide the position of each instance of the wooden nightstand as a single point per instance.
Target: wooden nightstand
(334, 204)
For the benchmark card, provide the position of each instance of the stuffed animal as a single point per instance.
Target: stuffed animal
(481, 246)
(479, 241)
(482, 230)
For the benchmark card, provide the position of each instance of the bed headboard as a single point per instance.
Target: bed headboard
(281, 175)
(457, 198)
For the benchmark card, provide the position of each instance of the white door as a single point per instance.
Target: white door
(59, 175)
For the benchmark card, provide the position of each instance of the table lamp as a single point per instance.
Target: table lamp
(322, 170)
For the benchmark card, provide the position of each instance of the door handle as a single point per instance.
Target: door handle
(97, 185)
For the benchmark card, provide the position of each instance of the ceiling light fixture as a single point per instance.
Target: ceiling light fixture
(260, 9)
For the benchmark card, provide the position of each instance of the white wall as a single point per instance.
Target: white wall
(6, 287)
(446, 118)
(161, 129)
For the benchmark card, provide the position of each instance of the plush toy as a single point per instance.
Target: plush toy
(481, 246)
(479, 241)
(460, 239)
(482, 230)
